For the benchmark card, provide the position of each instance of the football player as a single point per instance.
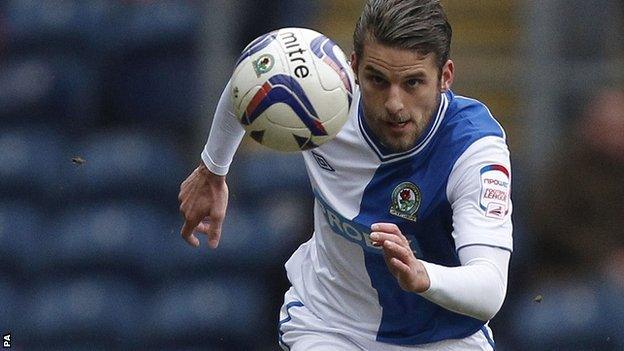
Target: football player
(412, 220)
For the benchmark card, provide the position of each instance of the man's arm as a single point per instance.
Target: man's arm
(477, 288)
(225, 136)
(204, 194)
(478, 191)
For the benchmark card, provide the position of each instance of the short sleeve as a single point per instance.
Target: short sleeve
(479, 191)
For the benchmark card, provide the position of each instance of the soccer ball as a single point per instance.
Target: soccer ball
(292, 89)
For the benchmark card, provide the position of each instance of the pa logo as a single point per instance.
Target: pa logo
(6, 341)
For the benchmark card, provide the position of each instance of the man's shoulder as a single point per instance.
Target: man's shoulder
(466, 121)
(468, 116)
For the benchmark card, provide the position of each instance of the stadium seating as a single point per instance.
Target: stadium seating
(30, 163)
(257, 235)
(159, 23)
(109, 25)
(8, 305)
(570, 316)
(37, 23)
(40, 88)
(98, 107)
(26, 85)
(287, 173)
(124, 164)
(212, 311)
(107, 236)
(99, 309)
(177, 257)
(155, 92)
(612, 309)
(20, 225)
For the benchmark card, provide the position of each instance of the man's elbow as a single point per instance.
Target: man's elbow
(492, 303)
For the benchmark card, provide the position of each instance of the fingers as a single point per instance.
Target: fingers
(202, 196)
(184, 188)
(212, 228)
(189, 225)
(187, 233)
(378, 238)
(409, 272)
(386, 227)
(399, 266)
(203, 226)
(394, 250)
(214, 234)
(394, 244)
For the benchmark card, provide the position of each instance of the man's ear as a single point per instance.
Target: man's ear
(448, 75)
(354, 66)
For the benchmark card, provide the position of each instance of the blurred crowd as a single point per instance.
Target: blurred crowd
(575, 276)
(104, 108)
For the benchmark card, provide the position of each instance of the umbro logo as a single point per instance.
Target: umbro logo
(322, 162)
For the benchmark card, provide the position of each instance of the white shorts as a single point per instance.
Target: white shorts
(300, 330)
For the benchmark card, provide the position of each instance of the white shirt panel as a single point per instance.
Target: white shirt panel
(334, 273)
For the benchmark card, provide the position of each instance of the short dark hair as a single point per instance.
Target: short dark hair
(419, 25)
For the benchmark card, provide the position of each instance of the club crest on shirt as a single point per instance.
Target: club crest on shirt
(406, 199)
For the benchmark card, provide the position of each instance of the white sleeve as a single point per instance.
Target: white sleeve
(477, 288)
(479, 191)
(225, 136)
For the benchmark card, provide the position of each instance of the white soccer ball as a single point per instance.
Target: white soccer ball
(292, 89)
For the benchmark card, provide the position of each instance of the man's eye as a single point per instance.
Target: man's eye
(378, 80)
(413, 82)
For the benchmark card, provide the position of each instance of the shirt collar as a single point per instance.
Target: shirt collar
(386, 155)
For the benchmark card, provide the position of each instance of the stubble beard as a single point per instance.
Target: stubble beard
(405, 142)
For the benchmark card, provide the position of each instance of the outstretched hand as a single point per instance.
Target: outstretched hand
(203, 200)
(404, 266)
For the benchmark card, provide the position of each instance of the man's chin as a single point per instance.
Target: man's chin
(399, 146)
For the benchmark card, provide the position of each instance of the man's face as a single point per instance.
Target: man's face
(400, 91)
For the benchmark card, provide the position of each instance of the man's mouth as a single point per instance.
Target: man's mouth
(397, 125)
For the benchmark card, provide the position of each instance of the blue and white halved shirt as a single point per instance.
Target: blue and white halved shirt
(450, 191)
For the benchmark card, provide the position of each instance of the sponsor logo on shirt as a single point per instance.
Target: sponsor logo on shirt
(356, 232)
(495, 190)
(405, 201)
(350, 230)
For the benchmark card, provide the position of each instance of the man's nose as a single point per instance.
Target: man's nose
(394, 103)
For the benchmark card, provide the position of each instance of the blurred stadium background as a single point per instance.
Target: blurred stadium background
(104, 109)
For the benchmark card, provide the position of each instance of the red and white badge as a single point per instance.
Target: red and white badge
(495, 190)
